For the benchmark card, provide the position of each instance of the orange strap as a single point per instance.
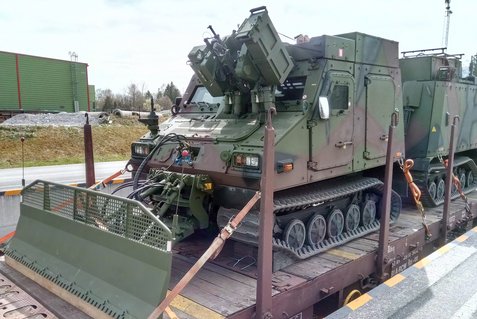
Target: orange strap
(6, 237)
(108, 179)
(458, 185)
(416, 193)
(455, 180)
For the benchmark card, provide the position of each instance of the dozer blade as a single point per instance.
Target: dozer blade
(107, 255)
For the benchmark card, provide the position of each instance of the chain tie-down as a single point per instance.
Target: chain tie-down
(406, 166)
(458, 186)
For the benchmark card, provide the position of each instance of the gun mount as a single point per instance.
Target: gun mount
(246, 63)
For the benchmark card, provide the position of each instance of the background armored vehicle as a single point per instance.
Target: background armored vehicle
(433, 93)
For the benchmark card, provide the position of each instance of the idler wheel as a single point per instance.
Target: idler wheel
(353, 216)
(369, 212)
(335, 223)
(294, 234)
(432, 189)
(316, 229)
(441, 186)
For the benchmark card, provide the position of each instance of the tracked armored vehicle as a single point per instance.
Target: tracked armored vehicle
(434, 92)
(333, 95)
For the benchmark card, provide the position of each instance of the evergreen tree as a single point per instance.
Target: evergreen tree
(171, 91)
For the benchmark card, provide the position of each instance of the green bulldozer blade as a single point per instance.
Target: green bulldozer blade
(107, 255)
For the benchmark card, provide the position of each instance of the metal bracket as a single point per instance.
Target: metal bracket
(312, 165)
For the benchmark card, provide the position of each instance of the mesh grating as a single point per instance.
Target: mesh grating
(121, 216)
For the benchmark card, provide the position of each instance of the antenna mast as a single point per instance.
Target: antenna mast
(445, 38)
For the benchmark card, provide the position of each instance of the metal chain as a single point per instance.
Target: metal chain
(458, 186)
(406, 166)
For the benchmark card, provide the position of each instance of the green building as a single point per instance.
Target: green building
(37, 84)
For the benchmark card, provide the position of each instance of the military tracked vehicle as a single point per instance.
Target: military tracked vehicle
(334, 96)
(434, 92)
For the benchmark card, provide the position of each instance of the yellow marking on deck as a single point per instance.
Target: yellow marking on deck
(422, 263)
(344, 254)
(391, 282)
(474, 229)
(13, 192)
(193, 309)
(361, 301)
(443, 249)
(73, 184)
(171, 314)
(118, 181)
(434, 129)
(462, 238)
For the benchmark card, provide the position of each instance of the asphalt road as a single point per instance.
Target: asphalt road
(11, 178)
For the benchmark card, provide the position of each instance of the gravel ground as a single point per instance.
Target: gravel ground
(57, 119)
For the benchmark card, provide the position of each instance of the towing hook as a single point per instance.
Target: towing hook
(87, 118)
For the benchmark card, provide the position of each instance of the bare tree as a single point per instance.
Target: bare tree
(165, 103)
(105, 100)
(136, 98)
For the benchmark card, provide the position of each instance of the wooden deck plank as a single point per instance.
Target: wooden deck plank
(363, 244)
(348, 252)
(233, 275)
(313, 266)
(220, 300)
(216, 281)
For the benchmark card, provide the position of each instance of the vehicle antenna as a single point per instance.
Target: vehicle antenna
(445, 36)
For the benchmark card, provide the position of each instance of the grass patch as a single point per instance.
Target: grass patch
(55, 145)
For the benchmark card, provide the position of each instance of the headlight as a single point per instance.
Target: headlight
(141, 149)
(246, 160)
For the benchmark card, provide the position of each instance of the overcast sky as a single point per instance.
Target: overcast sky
(147, 41)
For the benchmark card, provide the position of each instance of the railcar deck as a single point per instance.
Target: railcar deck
(440, 285)
(226, 287)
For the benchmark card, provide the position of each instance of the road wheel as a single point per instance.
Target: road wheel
(368, 216)
(353, 216)
(316, 229)
(335, 223)
(294, 234)
(432, 189)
